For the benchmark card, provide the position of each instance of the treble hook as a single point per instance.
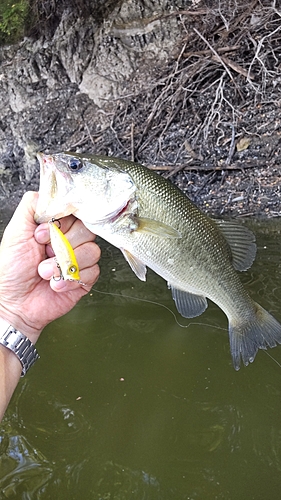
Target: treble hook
(60, 277)
(55, 220)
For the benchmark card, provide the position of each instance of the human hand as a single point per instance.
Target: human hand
(29, 297)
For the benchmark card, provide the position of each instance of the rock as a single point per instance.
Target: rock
(48, 86)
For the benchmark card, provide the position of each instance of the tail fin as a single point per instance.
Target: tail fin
(246, 338)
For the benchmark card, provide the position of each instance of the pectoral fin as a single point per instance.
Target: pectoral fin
(156, 228)
(136, 265)
(188, 304)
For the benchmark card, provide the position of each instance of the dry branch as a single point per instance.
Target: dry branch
(226, 65)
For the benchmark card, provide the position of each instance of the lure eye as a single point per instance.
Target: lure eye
(74, 164)
(73, 269)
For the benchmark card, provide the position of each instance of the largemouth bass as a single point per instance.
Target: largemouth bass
(155, 225)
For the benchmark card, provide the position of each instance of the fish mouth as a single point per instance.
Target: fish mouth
(94, 194)
(52, 191)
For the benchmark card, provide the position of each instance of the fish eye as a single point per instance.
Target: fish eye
(74, 164)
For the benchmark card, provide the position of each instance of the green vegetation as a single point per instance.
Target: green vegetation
(13, 14)
(41, 17)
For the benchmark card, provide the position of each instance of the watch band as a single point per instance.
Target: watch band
(18, 343)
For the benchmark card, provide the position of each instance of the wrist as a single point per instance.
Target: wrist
(10, 372)
(18, 344)
(19, 323)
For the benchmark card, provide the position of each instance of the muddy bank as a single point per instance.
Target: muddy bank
(187, 88)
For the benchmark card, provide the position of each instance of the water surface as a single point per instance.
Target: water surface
(125, 404)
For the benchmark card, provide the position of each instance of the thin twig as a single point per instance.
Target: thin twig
(238, 165)
(260, 44)
(132, 142)
(220, 50)
(89, 134)
(235, 66)
(214, 51)
(232, 144)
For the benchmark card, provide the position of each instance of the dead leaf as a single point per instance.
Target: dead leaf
(244, 143)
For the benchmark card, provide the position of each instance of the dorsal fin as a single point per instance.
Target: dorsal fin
(241, 241)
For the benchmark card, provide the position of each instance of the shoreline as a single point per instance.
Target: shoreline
(251, 193)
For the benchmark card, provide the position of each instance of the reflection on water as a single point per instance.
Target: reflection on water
(126, 404)
(24, 470)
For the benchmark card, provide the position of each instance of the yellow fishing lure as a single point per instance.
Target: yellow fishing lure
(64, 253)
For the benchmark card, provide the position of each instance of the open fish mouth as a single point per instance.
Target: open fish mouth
(52, 191)
(69, 184)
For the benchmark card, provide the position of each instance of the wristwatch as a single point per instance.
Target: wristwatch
(18, 343)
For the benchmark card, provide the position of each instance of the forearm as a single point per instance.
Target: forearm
(10, 372)
(10, 365)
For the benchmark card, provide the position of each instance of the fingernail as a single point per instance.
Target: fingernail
(58, 285)
(46, 269)
(42, 234)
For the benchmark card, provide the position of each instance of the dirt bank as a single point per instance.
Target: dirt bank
(191, 89)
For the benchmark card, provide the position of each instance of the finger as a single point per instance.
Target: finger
(87, 255)
(42, 232)
(73, 228)
(48, 268)
(77, 234)
(26, 208)
(22, 220)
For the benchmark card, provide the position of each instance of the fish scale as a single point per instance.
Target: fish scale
(214, 256)
(155, 225)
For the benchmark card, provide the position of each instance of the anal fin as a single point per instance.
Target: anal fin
(188, 304)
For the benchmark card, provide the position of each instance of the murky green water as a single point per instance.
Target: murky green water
(124, 404)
